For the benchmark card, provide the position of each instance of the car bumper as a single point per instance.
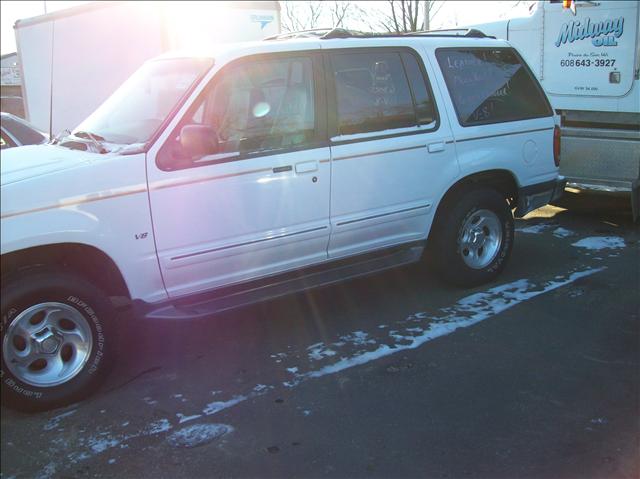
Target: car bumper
(535, 196)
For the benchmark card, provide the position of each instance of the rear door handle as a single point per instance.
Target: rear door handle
(435, 147)
(306, 167)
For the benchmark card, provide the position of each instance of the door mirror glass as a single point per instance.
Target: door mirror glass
(198, 140)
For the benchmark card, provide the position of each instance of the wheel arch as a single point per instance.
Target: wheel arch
(84, 260)
(503, 181)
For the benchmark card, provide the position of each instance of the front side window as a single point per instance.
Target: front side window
(372, 92)
(491, 85)
(253, 107)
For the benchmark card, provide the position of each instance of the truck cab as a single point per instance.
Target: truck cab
(587, 60)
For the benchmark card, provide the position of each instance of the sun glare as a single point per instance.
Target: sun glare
(199, 25)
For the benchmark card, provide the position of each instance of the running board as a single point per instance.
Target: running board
(275, 287)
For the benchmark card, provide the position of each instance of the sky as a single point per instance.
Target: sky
(447, 13)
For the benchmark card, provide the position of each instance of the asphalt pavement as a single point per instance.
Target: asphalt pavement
(536, 375)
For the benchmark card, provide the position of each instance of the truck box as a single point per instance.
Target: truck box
(73, 59)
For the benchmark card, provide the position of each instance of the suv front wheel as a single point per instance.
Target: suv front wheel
(55, 339)
(473, 237)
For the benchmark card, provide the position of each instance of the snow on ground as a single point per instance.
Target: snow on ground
(562, 233)
(350, 350)
(533, 229)
(54, 422)
(597, 243)
(198, 435)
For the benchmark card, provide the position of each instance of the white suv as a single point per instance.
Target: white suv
(208, 182)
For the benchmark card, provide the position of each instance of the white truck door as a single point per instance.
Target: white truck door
(260, 204)
(391, 154)
(591, 53)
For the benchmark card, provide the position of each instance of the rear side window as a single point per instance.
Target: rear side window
(425, 110)
(380, 90)
(491, 85)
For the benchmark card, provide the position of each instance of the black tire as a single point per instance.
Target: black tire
(85, 369)
(447, 251)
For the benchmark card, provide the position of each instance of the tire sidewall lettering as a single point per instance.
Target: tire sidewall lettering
(99, 336)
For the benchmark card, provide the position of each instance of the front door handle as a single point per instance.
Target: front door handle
(306, 167)
(435, 147)
(282, 169)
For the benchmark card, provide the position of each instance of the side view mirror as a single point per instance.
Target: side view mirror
(199, 140)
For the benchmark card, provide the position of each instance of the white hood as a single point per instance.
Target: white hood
(21, 163)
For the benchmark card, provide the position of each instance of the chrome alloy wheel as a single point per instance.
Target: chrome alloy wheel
(480, 239)
(47, 344)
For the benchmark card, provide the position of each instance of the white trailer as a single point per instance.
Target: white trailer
(72, 60)
(587, 60)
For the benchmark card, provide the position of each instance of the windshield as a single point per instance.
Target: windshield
(136, 110)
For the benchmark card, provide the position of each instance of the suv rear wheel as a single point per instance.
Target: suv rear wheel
(473, 237)
(55, 339)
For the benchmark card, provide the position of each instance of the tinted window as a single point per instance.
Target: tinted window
(491, 86)
(372, 92)
(425, 110)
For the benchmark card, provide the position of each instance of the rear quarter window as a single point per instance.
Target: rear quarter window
(491, 85)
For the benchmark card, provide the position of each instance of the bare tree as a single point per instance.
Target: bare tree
(306, 15)
(298, 16)
(339, 12)
(407, 15)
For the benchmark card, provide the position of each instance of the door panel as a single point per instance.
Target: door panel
(240, 220)
(383, 191)
(391, 154)
(258, 206)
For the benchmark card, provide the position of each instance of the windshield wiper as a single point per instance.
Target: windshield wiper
(96, 139)
(56, 139)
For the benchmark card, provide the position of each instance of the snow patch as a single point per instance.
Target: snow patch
(597, 243)
(101, 444)
(54, 422)
(319, 351)
(217, 406)
(533, 229)
(182, 418)
(292, 370)
(358, 338)
(157, 427)
(48, 471)
(562, 233)
(150, 401)
(198, 435)
(466, 312)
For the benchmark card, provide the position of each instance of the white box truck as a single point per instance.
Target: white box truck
(72, 60)
(587, 59)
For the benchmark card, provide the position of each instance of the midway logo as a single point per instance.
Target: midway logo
(603, 33)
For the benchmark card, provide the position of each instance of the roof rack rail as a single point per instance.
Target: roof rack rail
(313, 33)
(331, 33)
(461, 32)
